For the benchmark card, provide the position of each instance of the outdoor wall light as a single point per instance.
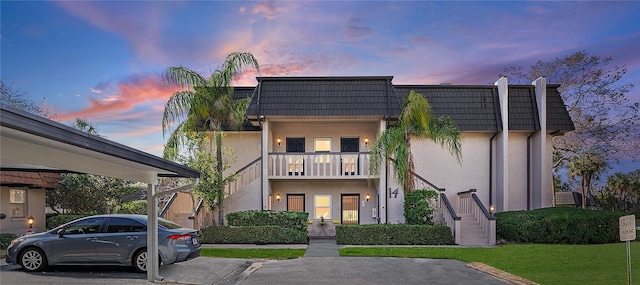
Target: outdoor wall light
(30, 221)
(366, 140)
(492, 209)
(279, 141)
(367, 197)
(278, 197)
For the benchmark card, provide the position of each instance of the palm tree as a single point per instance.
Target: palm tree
(205, 105)
(589, 166)
(416, 120)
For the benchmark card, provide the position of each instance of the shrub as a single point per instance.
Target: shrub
(251, 234)
(417, 207)
(5, 240)
(393, 234)
(133, 207)
(286, 219)
(558, 226)
(55, 220)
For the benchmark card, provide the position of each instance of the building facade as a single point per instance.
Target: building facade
(306, 144)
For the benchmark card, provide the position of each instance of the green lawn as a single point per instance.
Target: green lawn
(541, 263)
(252, 253)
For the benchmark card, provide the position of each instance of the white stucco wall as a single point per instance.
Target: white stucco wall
(517, 164)
(329, 129)
(439, 167)
(326, 187)
(246, 146)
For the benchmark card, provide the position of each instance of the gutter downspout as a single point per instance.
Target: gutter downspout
(529, 170)
(491, 205)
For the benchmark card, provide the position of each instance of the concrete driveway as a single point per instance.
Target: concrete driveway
(308, 270)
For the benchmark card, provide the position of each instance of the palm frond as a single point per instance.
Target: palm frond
(183, 77)
(178, 106)
(233, 67)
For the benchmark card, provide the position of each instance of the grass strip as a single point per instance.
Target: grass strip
(252, 253)
(541, 263)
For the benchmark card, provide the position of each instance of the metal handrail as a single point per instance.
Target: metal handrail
(447, 204)
(484, 210)
(168, 204)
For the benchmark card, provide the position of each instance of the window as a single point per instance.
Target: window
(322, 145)
(295, 202)
(18, 200)
(322, 206)
(122, 225)
(86, 226)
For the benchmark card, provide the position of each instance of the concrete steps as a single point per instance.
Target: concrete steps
(471, 232)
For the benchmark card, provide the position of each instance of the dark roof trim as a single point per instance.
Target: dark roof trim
(16, 119)
(333, 78)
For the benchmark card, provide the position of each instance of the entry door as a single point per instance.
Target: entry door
(350, 209)
(350, 165)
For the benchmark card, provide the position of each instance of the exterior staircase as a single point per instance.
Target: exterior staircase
(471, 231)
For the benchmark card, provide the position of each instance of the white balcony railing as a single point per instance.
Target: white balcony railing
(319, 165)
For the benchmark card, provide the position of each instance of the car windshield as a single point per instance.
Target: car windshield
(168, 224)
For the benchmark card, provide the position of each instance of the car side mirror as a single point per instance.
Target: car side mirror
(61, 232)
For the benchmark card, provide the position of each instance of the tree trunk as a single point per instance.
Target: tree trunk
(410, 185)
(584, 194)
(219, 184)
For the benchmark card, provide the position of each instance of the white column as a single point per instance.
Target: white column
(382, 183)
(152, 235)
(502, 148)
(542, 188)
(265, 164)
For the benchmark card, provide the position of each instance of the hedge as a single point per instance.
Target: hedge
(286, 219)
(559, 225)
(5, 240)
(54, 220)
(251, 234)
(138, 207)
(393, 234)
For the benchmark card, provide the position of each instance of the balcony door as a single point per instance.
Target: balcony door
(295, 162)
(350, 165)
(350, 209)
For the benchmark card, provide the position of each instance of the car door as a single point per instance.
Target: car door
(122, 236)
(77, 242)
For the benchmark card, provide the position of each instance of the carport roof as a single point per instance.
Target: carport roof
(31, 143)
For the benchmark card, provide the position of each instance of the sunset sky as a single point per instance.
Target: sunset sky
(101, 60)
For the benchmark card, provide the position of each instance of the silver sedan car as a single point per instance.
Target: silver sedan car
(111, 240)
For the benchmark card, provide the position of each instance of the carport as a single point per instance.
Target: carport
(32, 143)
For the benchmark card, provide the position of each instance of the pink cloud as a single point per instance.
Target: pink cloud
(140, 27)
(268, 10)
(127, 94)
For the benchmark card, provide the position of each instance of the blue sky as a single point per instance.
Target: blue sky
(101, 60)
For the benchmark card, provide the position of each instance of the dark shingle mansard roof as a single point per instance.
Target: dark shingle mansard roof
(558, 119)
(323, 96)
(523, 111)
(473, 107)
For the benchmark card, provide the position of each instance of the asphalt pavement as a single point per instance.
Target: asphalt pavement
(321, 265)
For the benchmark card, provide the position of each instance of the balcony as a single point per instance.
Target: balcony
(330, 165)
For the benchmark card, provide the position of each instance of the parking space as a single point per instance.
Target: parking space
(201, 270)
(221, 271)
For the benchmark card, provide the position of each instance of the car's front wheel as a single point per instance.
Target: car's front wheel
(33, 259)
(140, 260)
